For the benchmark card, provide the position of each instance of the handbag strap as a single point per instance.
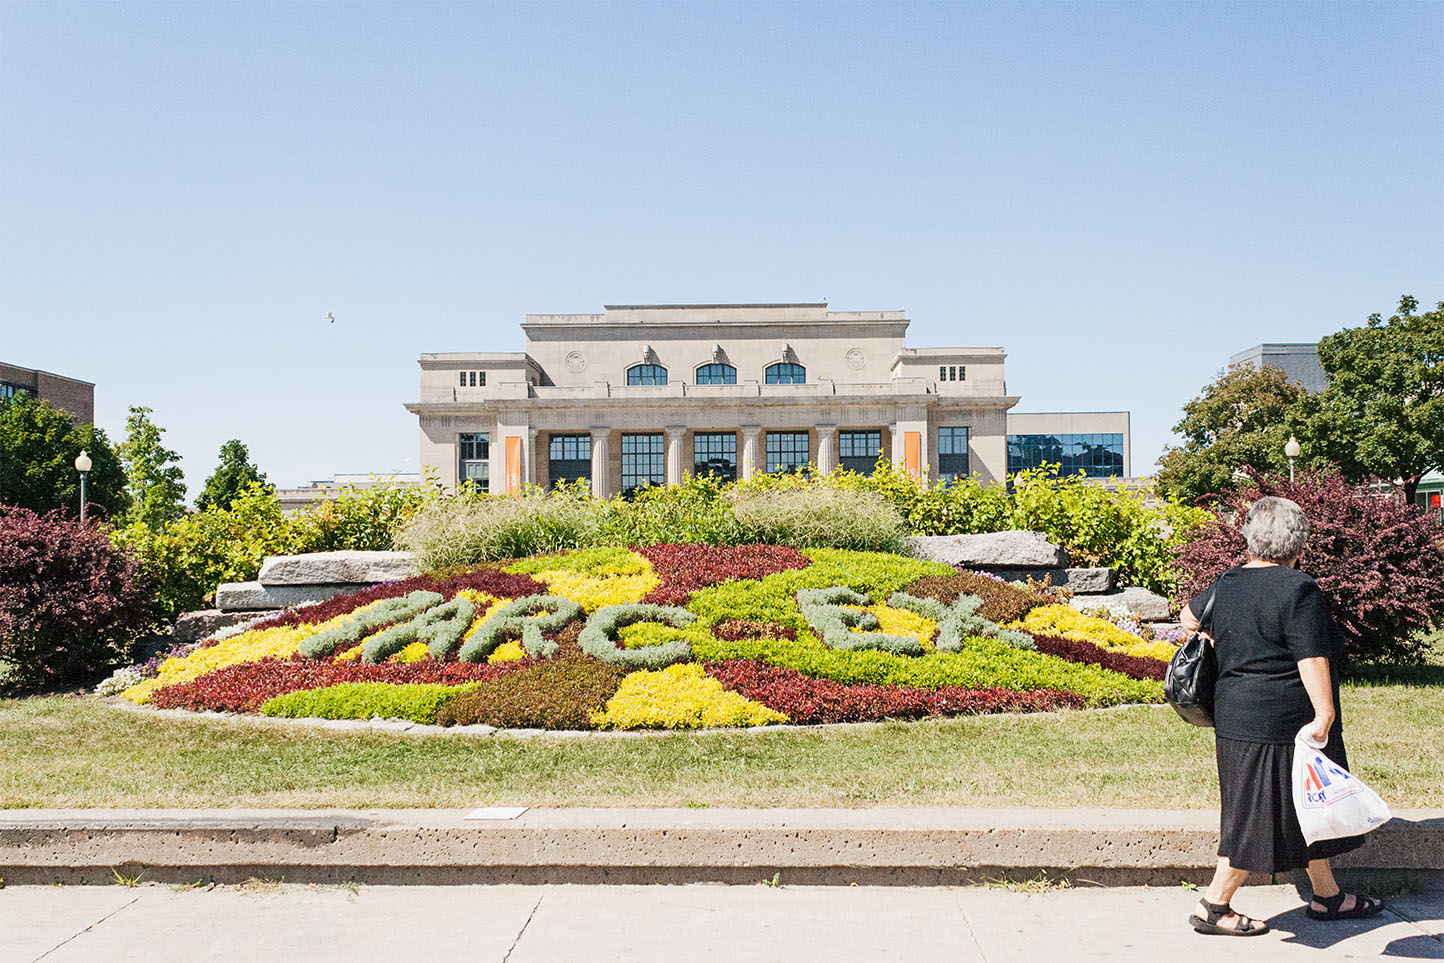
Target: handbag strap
(1203, 620)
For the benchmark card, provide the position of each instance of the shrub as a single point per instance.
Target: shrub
(366, 700)
(808, 701)
(695, 511)
(485, 579)
(809, 516)
(1086, 653)
(527, 619)
(1379, 562)
(823, 608)
(598, 638)
(362, 622)
(679, 697)
(71, 603)
(1002, 602)
(363, 519)
(733, 629)
(553, 694)
(1068, 622)
(470, 528)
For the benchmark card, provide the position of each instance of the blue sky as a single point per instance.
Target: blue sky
(1121, 195)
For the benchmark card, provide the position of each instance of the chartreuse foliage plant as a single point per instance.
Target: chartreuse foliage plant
(758, 635)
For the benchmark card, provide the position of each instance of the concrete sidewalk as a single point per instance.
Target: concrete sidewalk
(638, 924)
(910, 847)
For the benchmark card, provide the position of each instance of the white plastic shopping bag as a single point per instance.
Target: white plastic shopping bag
(1331, 802)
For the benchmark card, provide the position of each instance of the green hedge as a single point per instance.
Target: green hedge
(365, 700)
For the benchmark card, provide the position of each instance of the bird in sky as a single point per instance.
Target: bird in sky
(330, 317)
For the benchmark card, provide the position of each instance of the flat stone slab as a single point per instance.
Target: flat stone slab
(193, 626)
(1143, 603)
(897, 845)
(1012, 549)
(336, 568)
(1083, 581)
(254, 597)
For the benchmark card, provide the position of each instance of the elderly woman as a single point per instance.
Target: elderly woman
(1277, 645)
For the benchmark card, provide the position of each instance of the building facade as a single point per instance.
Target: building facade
(1300, 361)
(68, 394)
(1097, 443)
(646, 394)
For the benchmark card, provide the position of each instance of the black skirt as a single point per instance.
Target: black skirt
(1258, 828)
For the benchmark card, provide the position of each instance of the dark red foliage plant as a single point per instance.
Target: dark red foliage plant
(685, 568)
(1086, 653)
(71, 603)
(809, 701)
(1379, 561)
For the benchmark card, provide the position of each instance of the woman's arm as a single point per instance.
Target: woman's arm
(1315, 673)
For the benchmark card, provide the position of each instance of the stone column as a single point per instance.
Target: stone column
(827, 449)
(600, 462)
(674, 454)
(529, 469)
(751, 448)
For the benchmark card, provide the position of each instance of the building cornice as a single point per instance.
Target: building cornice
(932, 401)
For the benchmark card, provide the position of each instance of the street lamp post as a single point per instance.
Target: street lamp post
(1292, 450)
(82, 465)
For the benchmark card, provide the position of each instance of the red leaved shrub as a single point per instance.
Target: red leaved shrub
(1071, 650)
(71, 603)
(1379, 562)
(733, 630)
(685, 568)
(808, 701)
(243, 687)
(488, 579)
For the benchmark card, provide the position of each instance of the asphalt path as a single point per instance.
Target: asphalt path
(263, 920)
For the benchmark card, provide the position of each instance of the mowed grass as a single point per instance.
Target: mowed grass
(76, 752)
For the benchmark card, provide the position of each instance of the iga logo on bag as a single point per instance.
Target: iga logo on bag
(1324, 782)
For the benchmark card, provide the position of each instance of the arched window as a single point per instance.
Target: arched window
(786, 373)
(646, 374)
(716, 374)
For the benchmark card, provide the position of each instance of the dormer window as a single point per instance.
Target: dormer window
(646, 374)
(786, 373)
(716, 374)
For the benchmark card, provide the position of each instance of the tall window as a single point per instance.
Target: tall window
(716, 374)
(646, 374)
(471, 379)
(569, 458)
(8, 391)
(644, 462)
(715, 453)
(473, 462)
(952, 454)
(786, 373)
(786, 450)
(1097, 455)
(858, 450)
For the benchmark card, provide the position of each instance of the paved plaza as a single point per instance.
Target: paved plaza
(794, 924)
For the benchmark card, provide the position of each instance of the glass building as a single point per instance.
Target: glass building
(1097, 455)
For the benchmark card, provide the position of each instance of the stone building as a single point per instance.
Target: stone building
(68, 394)
(646, 394)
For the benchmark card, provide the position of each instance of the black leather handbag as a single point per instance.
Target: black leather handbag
(1192, 674)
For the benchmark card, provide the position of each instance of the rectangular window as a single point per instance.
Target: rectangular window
(952, 454)
(473, 460)
(473, 379)
(569, 458)
(715, 453)
(481, 378)
(463, 379)
(1096, 455)
(942, 372)
(8, 391)
(858, 450)
(644, 461)
(786, 450)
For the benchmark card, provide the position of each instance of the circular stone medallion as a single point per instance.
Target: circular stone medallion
(854, 358)
(575, 361)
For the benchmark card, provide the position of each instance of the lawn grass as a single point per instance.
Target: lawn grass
(76, 752)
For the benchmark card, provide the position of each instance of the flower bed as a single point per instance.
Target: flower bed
(666, 636)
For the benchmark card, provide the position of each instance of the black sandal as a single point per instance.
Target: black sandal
(1364, 906)
(1247, 926)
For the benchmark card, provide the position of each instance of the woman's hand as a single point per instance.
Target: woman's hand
(1318, 733)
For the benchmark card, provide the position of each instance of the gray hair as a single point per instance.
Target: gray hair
(1275, 529)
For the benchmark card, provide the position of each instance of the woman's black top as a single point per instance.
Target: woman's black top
(1265, 621)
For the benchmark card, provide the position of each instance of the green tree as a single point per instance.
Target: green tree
(1382, 415)
(156, 487)
(234, 473)
(38, 446)
(1241, 418)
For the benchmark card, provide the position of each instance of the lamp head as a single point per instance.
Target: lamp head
(82, 462)
(1292, 449)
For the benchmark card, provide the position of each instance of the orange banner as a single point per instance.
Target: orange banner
(513, 464)
(913, 453)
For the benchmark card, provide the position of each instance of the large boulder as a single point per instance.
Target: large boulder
(1141, 602)
(193, 626)
(255, 597)
(337, 568)
(1081, 581)
(1012, 549)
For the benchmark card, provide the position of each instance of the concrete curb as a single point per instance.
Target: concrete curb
(925, 846)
